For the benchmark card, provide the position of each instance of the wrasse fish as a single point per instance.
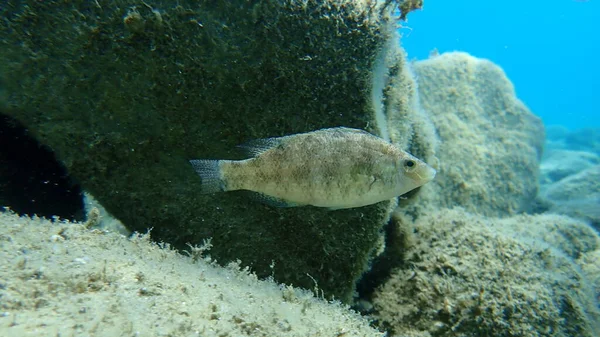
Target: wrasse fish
(334, 168)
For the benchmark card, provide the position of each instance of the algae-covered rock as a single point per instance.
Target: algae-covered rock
(585, 183)
(558, 164)
(577, 195)
(584, 139)
(400, 119)
(590, 265)
(60, 279)
(570, 180)
(409, 126)
(468, 275)
(490, 144)
(127, 92)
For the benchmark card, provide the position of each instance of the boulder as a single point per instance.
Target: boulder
(584, 139)
(125, 94)
(558, 164)
(489, 144)
(577, 195)
(470, 275)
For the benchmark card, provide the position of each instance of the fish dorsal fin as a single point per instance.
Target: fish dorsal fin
(255, 147)
(343, 130)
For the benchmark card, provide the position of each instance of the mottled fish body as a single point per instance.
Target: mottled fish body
(334, 168)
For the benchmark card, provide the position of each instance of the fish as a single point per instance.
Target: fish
(335, 168)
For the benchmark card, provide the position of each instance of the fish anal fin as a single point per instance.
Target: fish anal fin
(272, 201)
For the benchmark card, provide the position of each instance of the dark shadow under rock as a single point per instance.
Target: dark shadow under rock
(32, 181)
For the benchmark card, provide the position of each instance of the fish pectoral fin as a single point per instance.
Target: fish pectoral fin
(255, 147)
(272, 201)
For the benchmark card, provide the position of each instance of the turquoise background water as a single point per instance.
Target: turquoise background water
(550, 50)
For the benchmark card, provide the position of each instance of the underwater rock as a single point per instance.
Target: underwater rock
(586, 208)
(468, 275)
(570, 184)
(584, 139)
(556, 132)
(558, 164)
(409, 127)
(577, 195)
(61, 279)
(582, 184)
(490, 144)
(590, 265)
(126, 94)
(99, 218)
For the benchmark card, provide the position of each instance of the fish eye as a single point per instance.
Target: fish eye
(409, 163)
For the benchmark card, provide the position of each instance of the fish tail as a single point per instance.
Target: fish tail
(210, 174)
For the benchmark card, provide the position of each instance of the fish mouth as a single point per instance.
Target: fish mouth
(427, 174)
(431, 172)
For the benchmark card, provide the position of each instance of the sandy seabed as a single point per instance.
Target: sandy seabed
(63, 279)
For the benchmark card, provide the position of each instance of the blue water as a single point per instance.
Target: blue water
(550, 50)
